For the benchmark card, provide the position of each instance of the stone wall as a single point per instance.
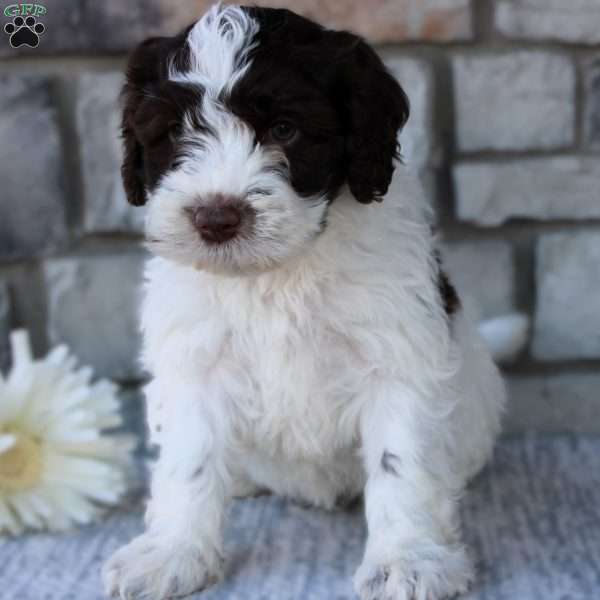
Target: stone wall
(505, 132)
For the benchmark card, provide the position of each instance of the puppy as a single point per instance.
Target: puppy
(301, 335)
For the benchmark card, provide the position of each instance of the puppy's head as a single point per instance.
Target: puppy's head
(240, 132)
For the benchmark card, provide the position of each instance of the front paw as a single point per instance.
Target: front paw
(150, 568)
(416, 578)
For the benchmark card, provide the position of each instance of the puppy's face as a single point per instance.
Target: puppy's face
(241, 131)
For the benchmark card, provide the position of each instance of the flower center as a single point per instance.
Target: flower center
(21, 465)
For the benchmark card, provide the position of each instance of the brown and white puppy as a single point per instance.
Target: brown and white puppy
(301, 338)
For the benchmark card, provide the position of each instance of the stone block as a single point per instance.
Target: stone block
(93, 304)
(98, 127)
(515, 101)
(575, 21)
(564, 187)
(32, 200)
(592, 102)
(567, 316)
(483, 273)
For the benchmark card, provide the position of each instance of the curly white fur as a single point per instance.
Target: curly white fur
(299, 379)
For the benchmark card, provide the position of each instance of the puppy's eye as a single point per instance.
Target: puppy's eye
(283, 131)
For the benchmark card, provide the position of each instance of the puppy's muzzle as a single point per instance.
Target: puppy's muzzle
(222, 218)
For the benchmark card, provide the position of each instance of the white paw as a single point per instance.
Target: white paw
(415, 579)
(148, 568)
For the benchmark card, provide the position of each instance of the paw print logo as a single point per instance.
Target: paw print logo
(24, 32)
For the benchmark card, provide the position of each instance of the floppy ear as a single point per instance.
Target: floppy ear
(146, 69)
(142, 71)
(376, 109)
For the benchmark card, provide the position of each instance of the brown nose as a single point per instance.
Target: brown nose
(217, 224)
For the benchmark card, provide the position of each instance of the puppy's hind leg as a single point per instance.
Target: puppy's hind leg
(413, 550)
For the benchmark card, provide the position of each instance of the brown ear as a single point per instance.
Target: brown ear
(132, 168)
(147, 68)
(142, 70)
(376, 109)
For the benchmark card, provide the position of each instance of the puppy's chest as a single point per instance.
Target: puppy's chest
(304, 380)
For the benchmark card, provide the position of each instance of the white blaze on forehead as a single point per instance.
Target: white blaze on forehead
(219, 44)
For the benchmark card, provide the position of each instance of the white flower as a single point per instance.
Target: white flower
(57, 469)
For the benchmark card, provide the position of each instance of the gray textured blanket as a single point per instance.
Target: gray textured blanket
(532, 521)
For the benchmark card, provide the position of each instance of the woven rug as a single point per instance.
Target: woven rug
(532, 520)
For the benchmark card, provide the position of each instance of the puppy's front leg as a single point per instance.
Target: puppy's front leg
(413, 549)
(181, 550)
